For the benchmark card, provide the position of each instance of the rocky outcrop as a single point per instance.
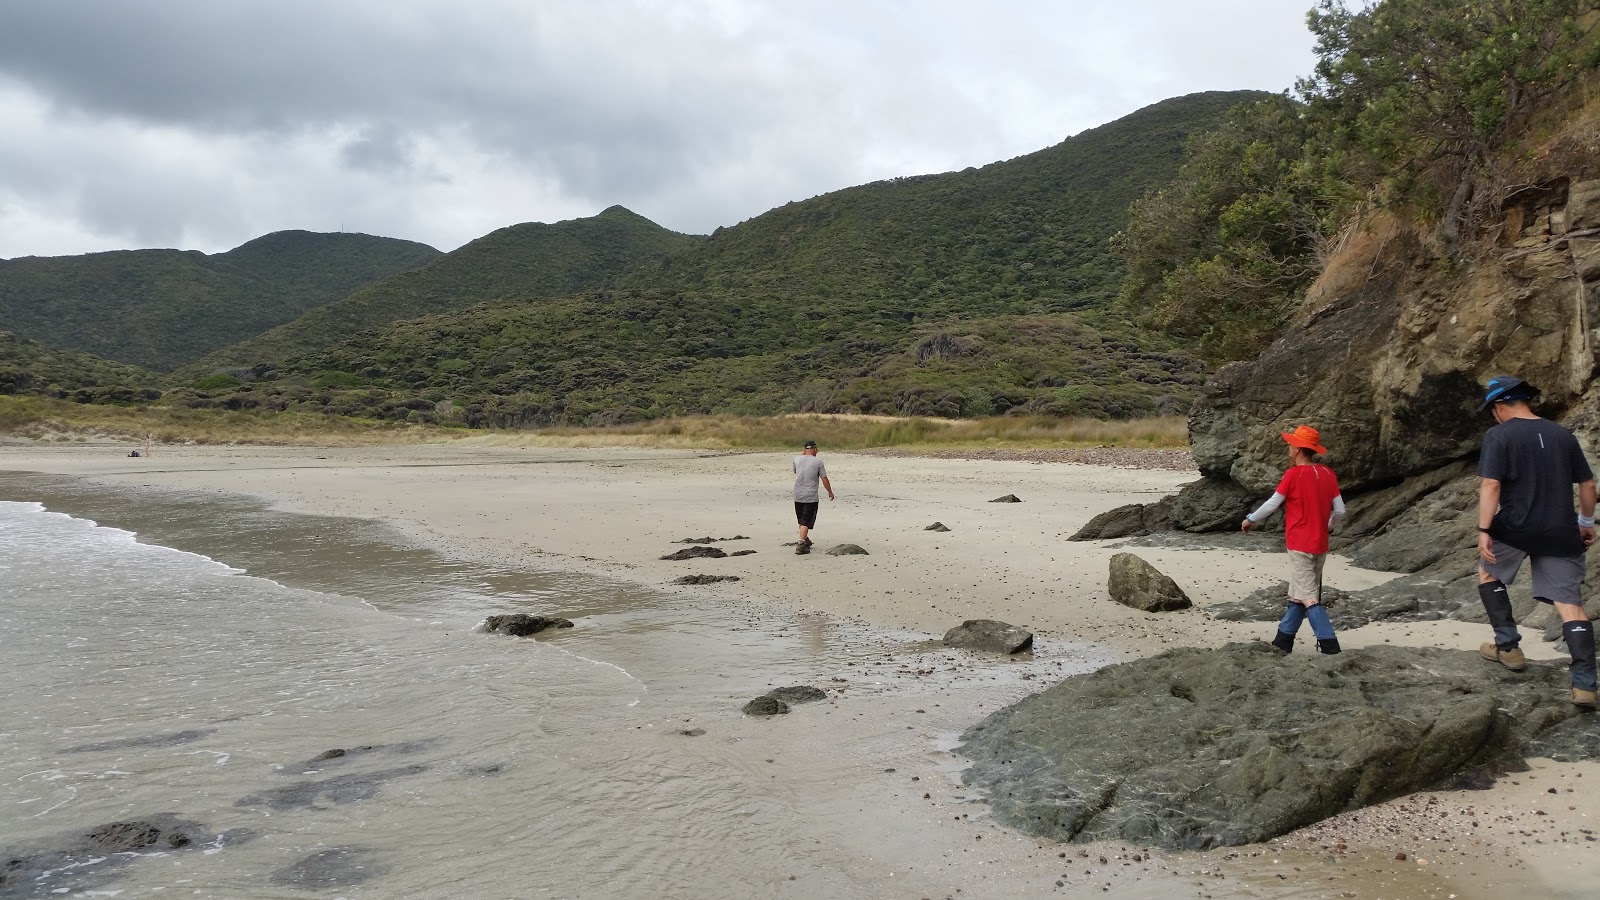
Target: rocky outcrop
(1134, 582)
(1197, 748)
(1008, 498)
(937, 526)
(522, 624)
(1387, 358)
(989, 635)
(847, 550)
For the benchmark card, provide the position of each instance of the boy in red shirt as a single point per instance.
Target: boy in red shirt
(1310, 494)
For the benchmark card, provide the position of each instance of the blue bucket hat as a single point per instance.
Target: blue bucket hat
(1506, 387)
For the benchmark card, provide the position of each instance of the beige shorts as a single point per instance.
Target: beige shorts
(1305, 576)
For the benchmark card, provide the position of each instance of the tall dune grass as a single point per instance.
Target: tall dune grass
(56, 420)
(865, 432)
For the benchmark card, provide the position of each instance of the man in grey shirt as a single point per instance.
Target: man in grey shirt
(808, 470)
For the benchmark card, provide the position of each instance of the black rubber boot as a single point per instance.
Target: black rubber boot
(1580, 642)
(1284, 642)
(1328, 646)
(1497, 603)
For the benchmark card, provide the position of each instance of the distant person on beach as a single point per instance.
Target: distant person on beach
(808, 470)
(1309, 493)
(1527, 469)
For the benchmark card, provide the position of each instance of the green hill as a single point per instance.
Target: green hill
(163, 308)
(530, 260)
(974, 292)
(30, 368)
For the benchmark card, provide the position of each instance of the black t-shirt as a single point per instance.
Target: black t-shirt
(1536, 462)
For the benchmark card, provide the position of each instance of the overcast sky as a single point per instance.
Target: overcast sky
(203, 123)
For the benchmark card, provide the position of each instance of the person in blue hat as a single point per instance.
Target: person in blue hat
(1527, 468)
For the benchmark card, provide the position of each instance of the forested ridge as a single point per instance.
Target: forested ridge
(969, 293)
(161, 309)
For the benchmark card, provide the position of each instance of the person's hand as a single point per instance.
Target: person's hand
(830, 496)
(1588, 535)
(1486, 546)
(1245, 526)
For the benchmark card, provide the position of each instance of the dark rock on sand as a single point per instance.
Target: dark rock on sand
(522, 624)
(847, 550)
(801, 693)
(705, 579)
(1197, 748)
(937, 526)
(742, 553)
(339, 867)
(1132, 520)
(81, 861)
(692, 732)
(713, 540)
(1009, 498)
(1138, 584)
(1212, 504)
(765, 706)
(697, 553)
(155, 740)
(990, 635)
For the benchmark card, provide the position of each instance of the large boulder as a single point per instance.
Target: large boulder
(989, 635)
(1132, 520)
(1198, 748)
(1138, 584)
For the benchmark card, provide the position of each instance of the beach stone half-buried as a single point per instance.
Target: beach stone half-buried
(990, 635)
(522, 624)
(697, 553)
(1199, 748)
(937, 526)
(765, 706)
(704, 579)
(1009, 498)
(847, 550)
(1138, 584)
(800, 693)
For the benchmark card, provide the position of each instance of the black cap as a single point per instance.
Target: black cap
(1502, 388)
(809, 445)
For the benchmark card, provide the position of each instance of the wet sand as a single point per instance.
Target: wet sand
(615, 512)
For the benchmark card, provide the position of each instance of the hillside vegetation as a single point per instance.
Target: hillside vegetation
(161, 309)
(1428, 110)
(971, 293)
(30, 368)
(526, 261)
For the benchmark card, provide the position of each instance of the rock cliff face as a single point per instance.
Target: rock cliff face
(1388, 358)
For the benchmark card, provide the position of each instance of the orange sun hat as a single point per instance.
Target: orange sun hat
(1306, 437)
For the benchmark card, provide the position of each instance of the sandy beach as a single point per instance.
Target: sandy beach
(615, 512)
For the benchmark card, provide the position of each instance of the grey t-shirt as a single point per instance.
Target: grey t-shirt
(807, 471)
(1536, 462)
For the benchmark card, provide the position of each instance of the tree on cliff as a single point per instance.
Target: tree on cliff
(1412, 106)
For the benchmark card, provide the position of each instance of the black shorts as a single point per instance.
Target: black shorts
(806, 513)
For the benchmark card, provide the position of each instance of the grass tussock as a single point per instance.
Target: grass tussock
(61, 421)
(856, 432)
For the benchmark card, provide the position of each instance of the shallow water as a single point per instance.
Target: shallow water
(196, 659)
(144, 679)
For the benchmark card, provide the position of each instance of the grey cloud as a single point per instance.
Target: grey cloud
(440, 121)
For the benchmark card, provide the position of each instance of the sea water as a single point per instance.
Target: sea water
(145, 680)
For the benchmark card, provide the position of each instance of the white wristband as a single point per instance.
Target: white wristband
(1585, 521)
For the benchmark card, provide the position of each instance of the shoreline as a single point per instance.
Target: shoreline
(557, 509)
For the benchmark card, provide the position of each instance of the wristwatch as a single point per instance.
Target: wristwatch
(1483, 529)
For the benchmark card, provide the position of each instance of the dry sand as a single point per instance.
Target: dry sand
(616, 511)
